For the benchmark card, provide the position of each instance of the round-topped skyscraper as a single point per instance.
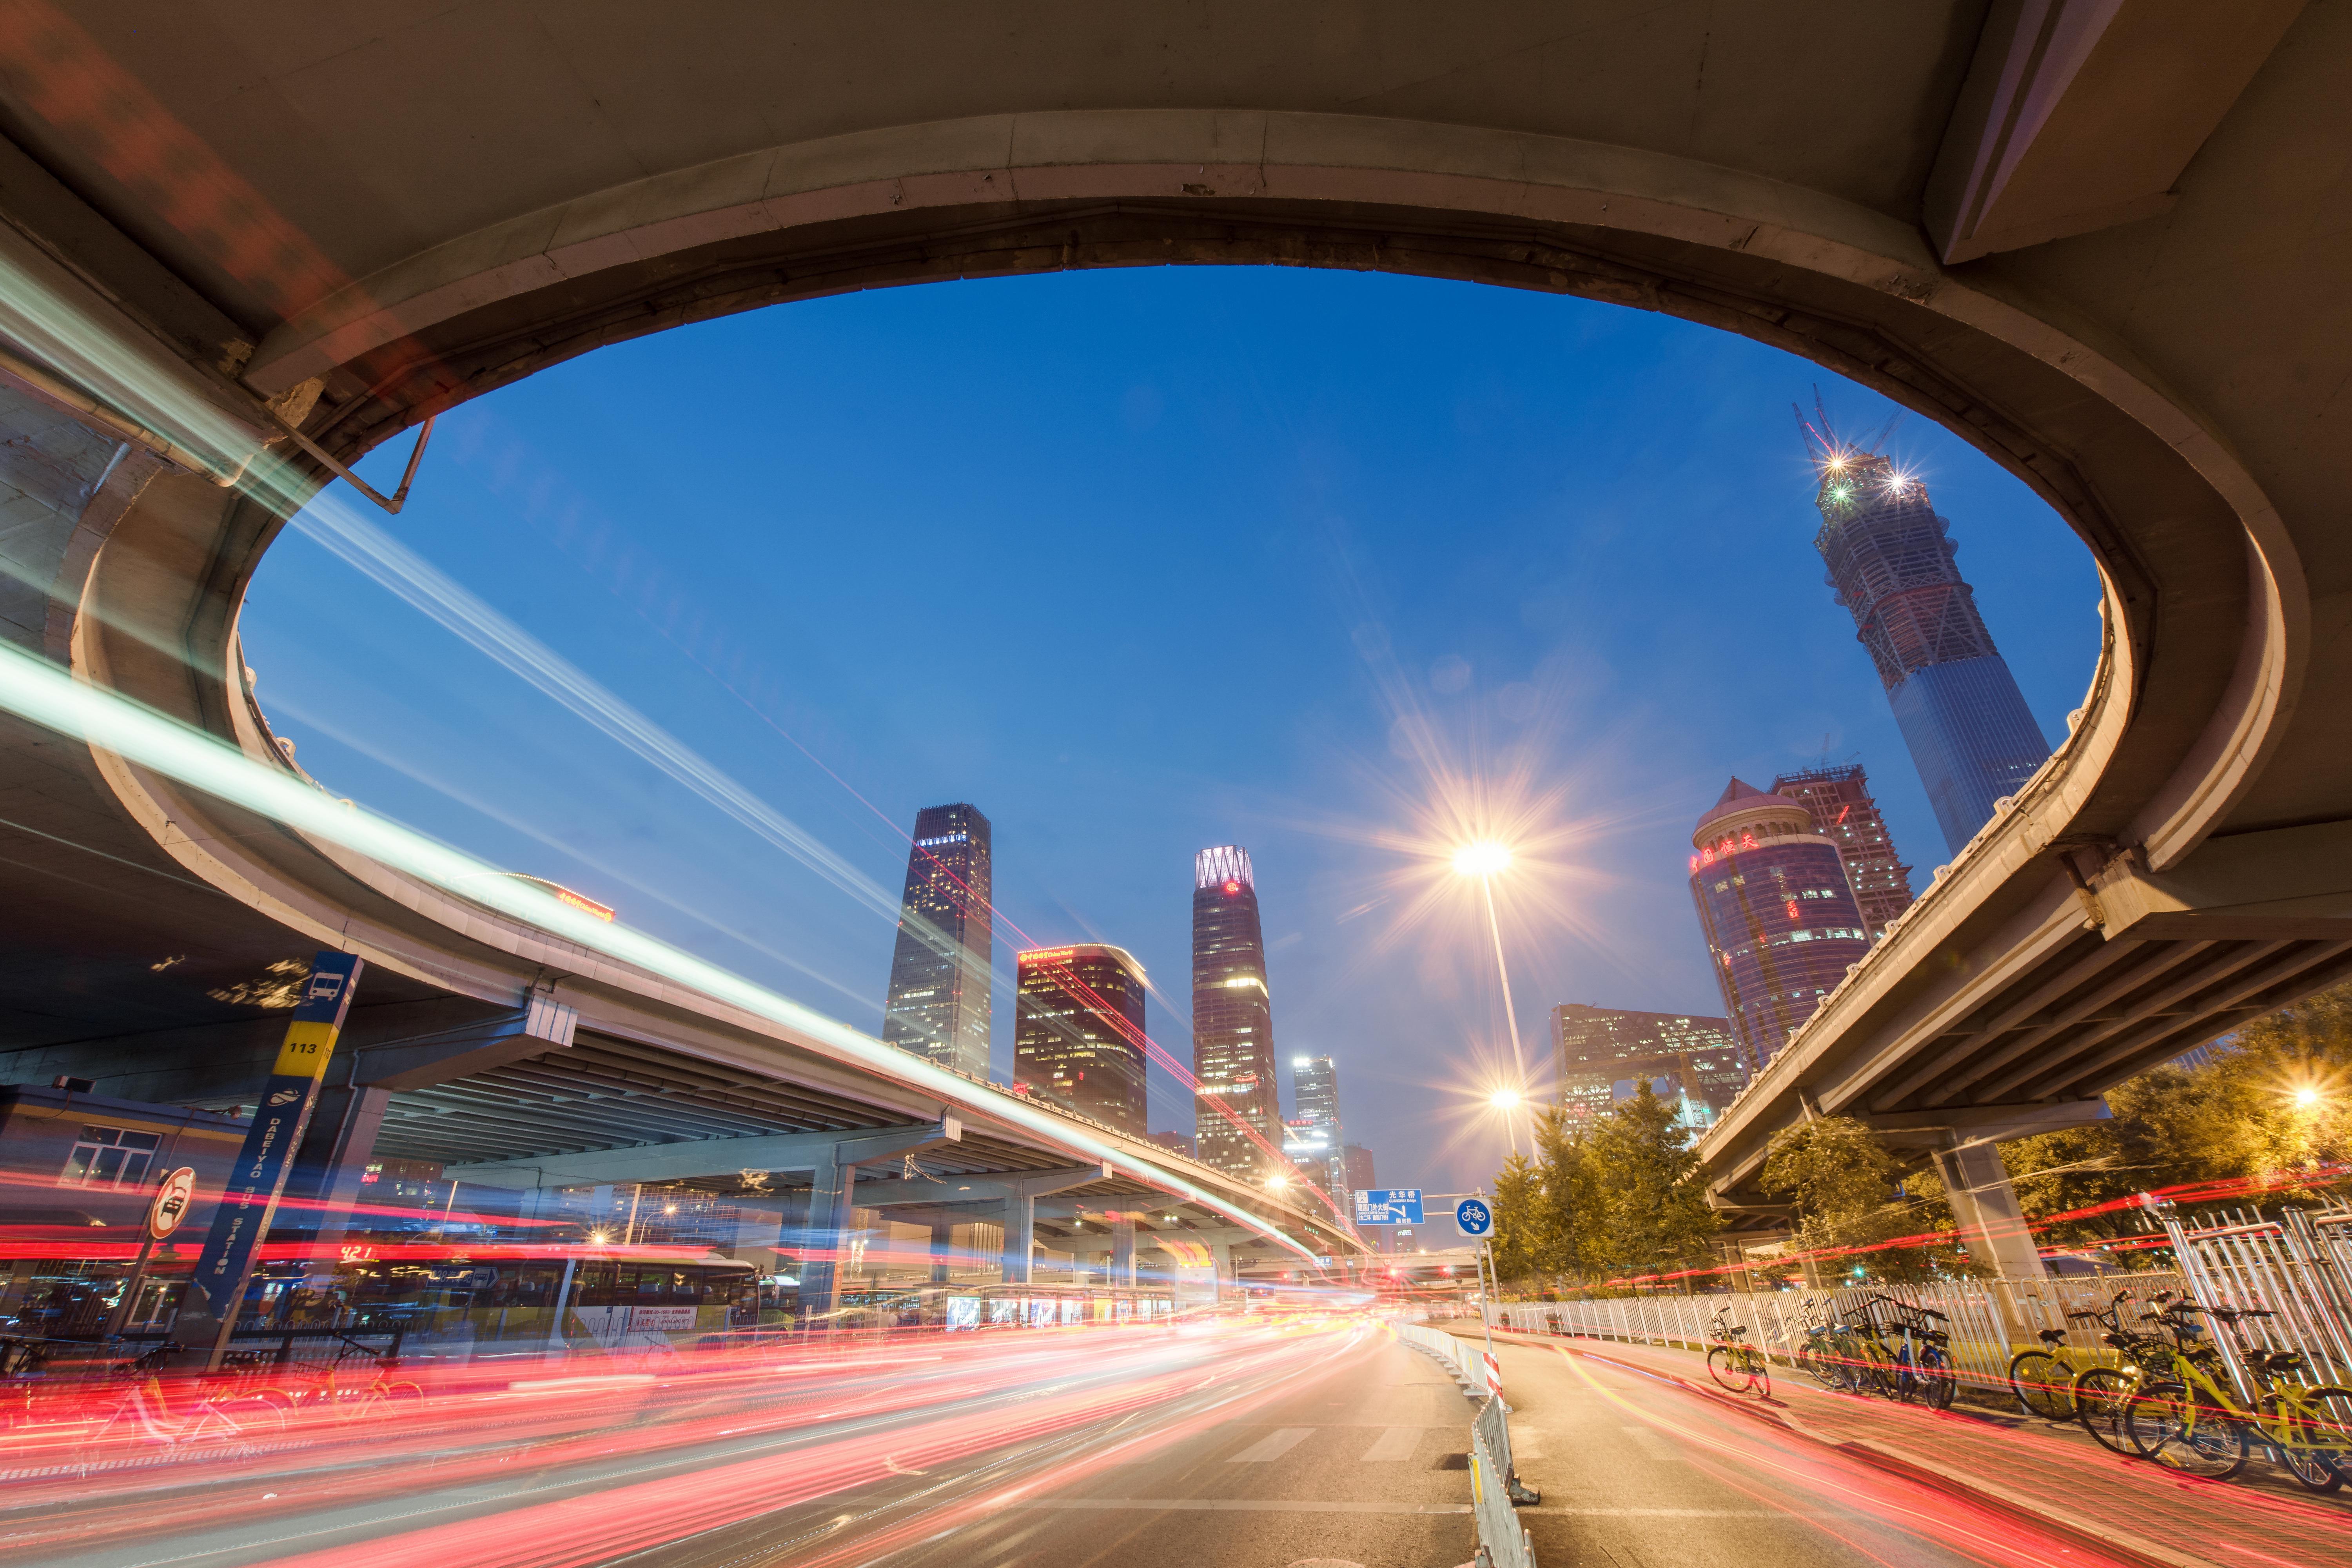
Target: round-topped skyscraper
(1779, 912)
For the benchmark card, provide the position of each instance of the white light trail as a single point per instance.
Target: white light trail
(38, 690)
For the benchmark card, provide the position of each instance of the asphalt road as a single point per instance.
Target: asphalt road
(1241, 1445)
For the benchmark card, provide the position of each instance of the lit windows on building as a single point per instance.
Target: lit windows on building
(938, 1004)
(1233, 1019)
(1078, 1031)
(112, 1157)
(1890, 560)
(1777, 913)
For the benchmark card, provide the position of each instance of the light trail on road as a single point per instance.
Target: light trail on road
(589, 1462)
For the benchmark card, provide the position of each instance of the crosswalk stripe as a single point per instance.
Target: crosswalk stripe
(1396, 1443)
(1270, 1447)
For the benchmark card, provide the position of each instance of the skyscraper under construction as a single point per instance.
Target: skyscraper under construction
(939, 998)
(1890, 560)
(1844, 811)
(1233, 1018)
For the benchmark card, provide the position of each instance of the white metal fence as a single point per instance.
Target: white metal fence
(2296, 1266)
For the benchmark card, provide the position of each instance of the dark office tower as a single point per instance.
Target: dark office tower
(1604, 1051)
(1890, 560)
(1360, 1176)
(1780, 921)
(938, 1006)
(1840, 800)
(1077, 1031)
(1233, 1019)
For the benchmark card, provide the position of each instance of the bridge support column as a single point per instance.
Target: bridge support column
(942, 1250)
(1020, 1236)
(1992, 1225)
(1221, 1268)
(328, 1168)
(833, 1185)
(1122, 1253)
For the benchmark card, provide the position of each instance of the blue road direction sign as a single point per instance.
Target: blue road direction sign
(1472, 1217)
(1389, 1205)
(254, 1185)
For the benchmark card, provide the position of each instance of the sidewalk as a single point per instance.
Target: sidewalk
(2056, 1475)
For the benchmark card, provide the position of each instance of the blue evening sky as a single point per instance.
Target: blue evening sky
(1143, 561)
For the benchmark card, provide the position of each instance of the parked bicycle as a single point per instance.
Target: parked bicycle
(326, 1386)
(1735, 1364)
(2180, 1414)
(150, 1414)
(2099, 1393)
(1910, 1356)
(2042, 1377)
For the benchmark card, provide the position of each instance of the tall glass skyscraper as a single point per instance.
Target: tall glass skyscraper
(938, 1000)
(1233, 1017)
(1315, 1130)
(1604, 1052)
(1780, 916)
(1844, 811)
(1890, 558)
(1077, 1031)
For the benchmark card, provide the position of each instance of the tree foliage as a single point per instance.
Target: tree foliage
(1854, 1201)
(1614, 1198)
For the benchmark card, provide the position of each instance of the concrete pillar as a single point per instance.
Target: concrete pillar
(942, 1250)
(1020, 1236)
(326, 1179)
(1221, 1268)
(1985, 1205)
(1992, 1226)
(1122, 1253)
(833, 1186)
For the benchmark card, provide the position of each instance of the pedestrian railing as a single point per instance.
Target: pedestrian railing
(2297, 1267)
(1502, 1540)
(1495, 1485)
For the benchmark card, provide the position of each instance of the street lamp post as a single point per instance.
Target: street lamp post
(1482, 860)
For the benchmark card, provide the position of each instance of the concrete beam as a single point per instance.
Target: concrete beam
(709, 1157)
(2080, 114)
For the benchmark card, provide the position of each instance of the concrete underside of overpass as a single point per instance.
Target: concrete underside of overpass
(2104, 245)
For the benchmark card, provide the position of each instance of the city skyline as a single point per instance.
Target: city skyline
(1406, 544)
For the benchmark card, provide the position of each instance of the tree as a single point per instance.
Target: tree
(1851, 1199)
(1521, 1220)
(1657, 1219)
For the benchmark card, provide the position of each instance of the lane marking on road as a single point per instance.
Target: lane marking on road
(1395, 1444)
(1270, 1448)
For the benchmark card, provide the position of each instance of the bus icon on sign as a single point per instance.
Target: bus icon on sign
(1389, 1205)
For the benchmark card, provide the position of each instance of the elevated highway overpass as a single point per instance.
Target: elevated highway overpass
(2105, 245)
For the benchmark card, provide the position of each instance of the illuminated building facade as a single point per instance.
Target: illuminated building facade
(1890, 558)
(1778, 914)
(1077, 1031)
(1844, 812)
(1604, 1051)
(1322, 1148)
(938, 1000)
(1233, 1018)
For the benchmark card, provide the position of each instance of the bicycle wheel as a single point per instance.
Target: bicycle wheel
(1759, 1374)
(2305, 1432)
(1815, 1363)
(2043, 1385)
(1937, 1385)
(1722, 1365)
(2186, 1432)
(2100, 1395)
